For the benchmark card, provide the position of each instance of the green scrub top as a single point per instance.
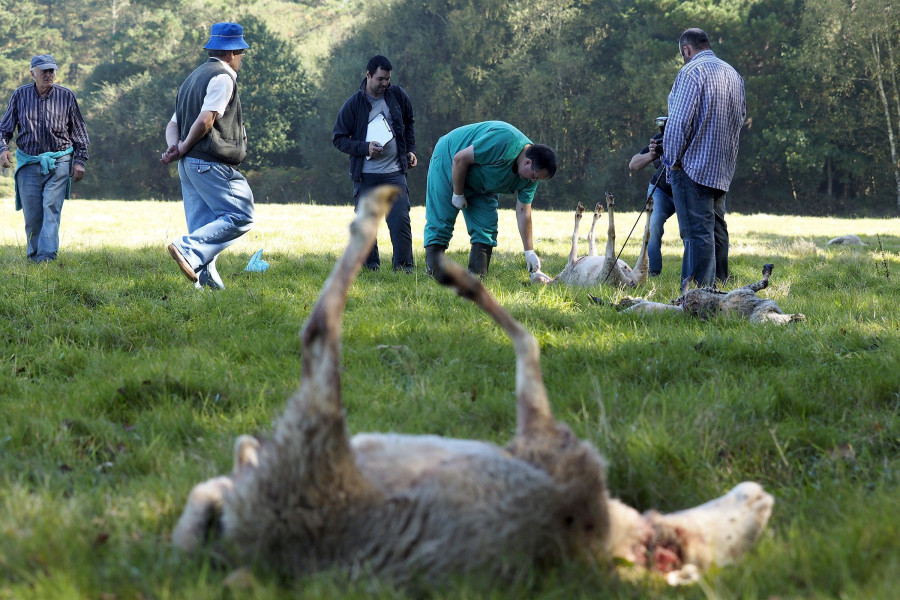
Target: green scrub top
(496, 145)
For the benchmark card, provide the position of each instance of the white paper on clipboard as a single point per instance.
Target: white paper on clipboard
(379, 131)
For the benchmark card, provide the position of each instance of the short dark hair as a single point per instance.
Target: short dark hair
(378, 62)
(695, 38)
(542, 157)
(218, 53)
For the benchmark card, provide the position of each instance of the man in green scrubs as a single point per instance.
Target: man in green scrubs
(470, 167)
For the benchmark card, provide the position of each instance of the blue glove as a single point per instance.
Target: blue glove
(257, 263)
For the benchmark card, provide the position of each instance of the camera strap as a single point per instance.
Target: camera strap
(649, 196)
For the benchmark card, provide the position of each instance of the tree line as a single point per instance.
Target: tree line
(587, 77)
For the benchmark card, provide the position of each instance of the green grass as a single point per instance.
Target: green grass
(7, 186)
(121, 386)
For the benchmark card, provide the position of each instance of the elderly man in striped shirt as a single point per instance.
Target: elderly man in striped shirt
(51, 150)
(707, 109)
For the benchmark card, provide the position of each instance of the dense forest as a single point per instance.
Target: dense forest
(587, 77)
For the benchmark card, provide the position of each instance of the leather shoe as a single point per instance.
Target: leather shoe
(186, 267)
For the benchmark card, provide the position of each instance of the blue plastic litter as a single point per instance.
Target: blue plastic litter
(257, 263)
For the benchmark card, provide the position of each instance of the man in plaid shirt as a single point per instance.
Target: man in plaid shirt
(707, 109)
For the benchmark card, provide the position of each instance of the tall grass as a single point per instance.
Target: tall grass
(121, 386)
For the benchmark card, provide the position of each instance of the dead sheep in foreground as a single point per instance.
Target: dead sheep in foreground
(707, 302)
(593, 269)
(422, 507)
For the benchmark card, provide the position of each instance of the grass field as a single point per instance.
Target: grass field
(121, 386)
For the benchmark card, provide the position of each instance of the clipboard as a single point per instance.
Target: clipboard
(379, 131)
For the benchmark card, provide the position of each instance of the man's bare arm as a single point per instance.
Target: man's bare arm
(462, 160)
(523, 219)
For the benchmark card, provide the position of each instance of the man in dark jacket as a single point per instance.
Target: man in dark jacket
(663, 205)
(207, 137)
(375, 127)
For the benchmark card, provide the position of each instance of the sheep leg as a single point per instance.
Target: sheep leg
(611, 231)
(573, 252)
(781, 318)
(320, 393)
(576, 466)
(611, 273)
(201, 514)
(592, 247)
(682, 544)
(308, 469)
(764, 282)
(642, 267)
(532, 407)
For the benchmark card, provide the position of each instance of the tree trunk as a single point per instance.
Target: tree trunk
(879, 81)
(892, 64)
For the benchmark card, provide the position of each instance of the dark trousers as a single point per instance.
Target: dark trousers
(397, 219)
(701, 220)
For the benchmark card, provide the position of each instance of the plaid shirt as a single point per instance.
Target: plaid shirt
(47, 124)
(706, 112)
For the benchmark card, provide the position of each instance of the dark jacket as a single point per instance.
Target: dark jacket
(660, 174)
(353, 120)
(226, 142)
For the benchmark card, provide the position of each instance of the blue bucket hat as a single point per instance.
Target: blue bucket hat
(226, 36)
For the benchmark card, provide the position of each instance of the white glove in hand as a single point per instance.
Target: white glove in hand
(534, 263)
(459, 201)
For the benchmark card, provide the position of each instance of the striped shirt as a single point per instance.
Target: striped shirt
(49, 124)
(707, 109)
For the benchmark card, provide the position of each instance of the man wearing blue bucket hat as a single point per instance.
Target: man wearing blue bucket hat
(206, 136)
(51, 151)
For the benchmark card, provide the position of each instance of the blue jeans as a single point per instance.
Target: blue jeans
(42, 201)
(218, 207)
(701, 220)
(398, 221)
(663, 208)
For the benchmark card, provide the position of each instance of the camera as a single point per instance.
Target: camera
(661, 123)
